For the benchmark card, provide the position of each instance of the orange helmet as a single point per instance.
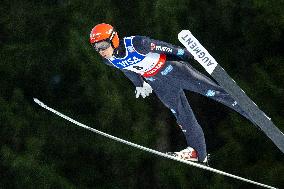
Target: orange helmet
(104, 32)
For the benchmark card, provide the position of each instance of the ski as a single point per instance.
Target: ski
(161, 154)
(220, 75)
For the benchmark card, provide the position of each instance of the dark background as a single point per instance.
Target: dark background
(45, 53)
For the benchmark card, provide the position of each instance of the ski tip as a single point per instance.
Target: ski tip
(183, 32)
(37, 101)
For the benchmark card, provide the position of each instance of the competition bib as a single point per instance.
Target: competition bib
(146, 65)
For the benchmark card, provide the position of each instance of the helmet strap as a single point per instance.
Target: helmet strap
(112, 34)
(111, 37)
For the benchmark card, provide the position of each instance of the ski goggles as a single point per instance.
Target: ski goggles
(101, 46)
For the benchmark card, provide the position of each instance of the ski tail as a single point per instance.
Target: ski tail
(259, 117)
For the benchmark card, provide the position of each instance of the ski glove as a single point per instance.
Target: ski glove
(144, 91)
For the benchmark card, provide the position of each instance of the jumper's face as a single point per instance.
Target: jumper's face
(107, 53)
(104, 48)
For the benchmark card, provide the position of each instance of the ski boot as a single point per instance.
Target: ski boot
(189, 154)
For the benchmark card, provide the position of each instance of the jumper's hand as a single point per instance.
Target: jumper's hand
(144, 91)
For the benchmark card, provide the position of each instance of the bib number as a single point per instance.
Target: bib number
(138, 67)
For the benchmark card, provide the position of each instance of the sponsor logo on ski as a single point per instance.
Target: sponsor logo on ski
(198, 51)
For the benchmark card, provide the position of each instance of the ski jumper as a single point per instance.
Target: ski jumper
(165, 67)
